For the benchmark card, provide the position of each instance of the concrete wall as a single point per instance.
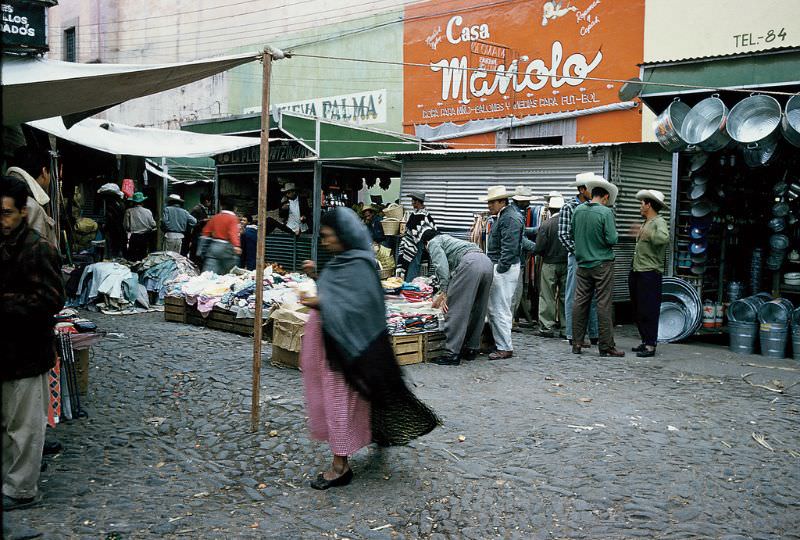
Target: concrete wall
(161, 31)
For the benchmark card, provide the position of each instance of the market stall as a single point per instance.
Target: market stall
(737, 189)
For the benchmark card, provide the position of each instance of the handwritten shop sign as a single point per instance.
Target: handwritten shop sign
(23, 25)
(360, 108)
(279, 151)
(517, 59)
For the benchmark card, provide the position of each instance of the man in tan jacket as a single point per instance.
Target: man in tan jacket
(38, 199)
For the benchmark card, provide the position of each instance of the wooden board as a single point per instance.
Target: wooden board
(408, 349)
(174, 309)
(434, 345)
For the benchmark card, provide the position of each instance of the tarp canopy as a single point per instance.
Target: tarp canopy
(120, 139)
(34, 88)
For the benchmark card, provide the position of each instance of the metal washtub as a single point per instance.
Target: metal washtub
(755, 123)
(773, 339)
(704, 126)
(790, 123)
(668, 126)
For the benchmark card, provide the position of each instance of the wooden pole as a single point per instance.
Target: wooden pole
(260, 246)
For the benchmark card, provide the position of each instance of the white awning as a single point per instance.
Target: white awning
(125, 140)
(34, 88)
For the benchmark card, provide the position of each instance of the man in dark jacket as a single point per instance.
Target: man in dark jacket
(553, 278)
(503, 247)
(31, 293)
(201, 212)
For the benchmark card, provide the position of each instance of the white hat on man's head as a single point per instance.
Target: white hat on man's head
(582, 178)
(288, 186)
(494, 193)
(600, 182)
(175, 197)
(652, 194)
(555, 202)
(523, 193)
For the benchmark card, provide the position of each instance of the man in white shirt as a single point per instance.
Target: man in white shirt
(294, 211)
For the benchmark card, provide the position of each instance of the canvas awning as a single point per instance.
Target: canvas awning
(34, 88)
(120, 139)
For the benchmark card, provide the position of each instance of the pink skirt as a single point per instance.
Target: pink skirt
(336, 412)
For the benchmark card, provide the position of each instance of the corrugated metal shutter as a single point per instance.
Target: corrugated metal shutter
(453, 185)
(635, 167)
(288, 251)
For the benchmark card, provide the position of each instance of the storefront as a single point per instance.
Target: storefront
(328, 163)
(453, 181)
(738, 181)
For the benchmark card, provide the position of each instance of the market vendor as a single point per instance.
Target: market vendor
(464, 274)
(373, 222)
(295, 212)
(411, 247)
(220, 242)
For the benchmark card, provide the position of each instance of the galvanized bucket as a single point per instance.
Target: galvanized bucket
(755, 119)
(743, 337)
(704, 126)
(746, 309)
(668, 126)
(773, 340)
(790, 123)
(778, 311)
(796, 342)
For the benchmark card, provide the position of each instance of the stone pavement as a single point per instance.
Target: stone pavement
(554, 446)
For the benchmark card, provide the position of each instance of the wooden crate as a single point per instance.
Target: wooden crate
(409, 349)
(174, 309)
(434, 345)
(220, 319)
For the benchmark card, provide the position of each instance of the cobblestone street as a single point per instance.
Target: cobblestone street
(555, 446)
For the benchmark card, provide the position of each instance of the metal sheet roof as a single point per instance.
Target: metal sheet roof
(690, 59)
(495, 151)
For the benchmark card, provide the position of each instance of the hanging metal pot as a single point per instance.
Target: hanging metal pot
(790, 123)
(759, 154)
(697, 191)
(698, 161)
(668, 126)
(755, 119)
(777, 224)
(701, 208)
(704, 125)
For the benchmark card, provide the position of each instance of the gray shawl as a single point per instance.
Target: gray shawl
(351, 298)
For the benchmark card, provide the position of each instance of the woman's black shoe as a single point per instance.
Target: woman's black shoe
(647, 353)
(639, 348)
(321, 483)
(469, 354)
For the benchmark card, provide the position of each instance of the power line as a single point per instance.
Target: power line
(504, 73)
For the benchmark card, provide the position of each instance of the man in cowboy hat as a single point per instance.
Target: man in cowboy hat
(411, 247)
(521, 200)
(175, 221)
(568, 241)
(595, 235)
(553, 277)
(644, 280)
(503, 246)
(294, 211)
(139, 223)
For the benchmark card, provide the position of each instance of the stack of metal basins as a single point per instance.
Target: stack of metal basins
(743, 323)
(756, 266)
(681, 310)
(796, 334)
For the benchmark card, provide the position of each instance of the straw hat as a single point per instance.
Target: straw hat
(523, 193)
(419, 195)
(494, 193)
(652, 194)
(582, 178)
(288, 186)
(370, 208)
(175, 197)
(600, 182)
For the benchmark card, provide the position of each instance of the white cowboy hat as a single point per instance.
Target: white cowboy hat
(599, 181)
(582, 178)
(494, 193)
(556, 202)
(288, 186)
(523, 193)
(419, 195)
(175, 197)
(554, 194)
(652, 194)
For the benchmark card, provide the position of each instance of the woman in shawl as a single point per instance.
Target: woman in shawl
(355, 393)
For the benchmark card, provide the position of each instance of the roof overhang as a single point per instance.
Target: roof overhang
(495, 152)
(694, 79)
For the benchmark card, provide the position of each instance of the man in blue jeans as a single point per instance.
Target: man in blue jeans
(566, 238)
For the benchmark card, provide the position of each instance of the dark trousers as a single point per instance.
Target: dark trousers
(645, 288)
(597, 281)
(273, 224)
(137, 246)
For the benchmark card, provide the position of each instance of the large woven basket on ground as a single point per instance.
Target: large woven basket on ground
(391, 226)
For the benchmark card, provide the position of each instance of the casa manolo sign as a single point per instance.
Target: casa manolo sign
(521, 75)
(359, 108)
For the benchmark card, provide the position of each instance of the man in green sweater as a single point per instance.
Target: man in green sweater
(644, 281)
(595, 236)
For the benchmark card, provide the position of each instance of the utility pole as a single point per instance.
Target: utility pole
(263, 178)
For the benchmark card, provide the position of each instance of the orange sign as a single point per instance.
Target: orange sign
(517, 58)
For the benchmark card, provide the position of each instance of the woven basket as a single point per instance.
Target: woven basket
(394, 211)
(391, 226)
(387, 273)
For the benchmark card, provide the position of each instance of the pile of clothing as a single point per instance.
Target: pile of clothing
(419, 290)
(111, 288)
(162, 267)
(405, 319)
(236, 291)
